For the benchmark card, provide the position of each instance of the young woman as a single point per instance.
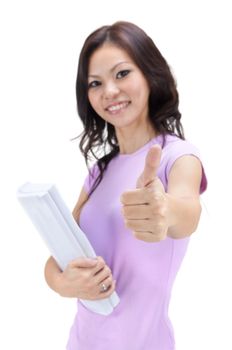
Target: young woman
(140, 201)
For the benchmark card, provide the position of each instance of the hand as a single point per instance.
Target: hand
(145, 209)
(83, 278)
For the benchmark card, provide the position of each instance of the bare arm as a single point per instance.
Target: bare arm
(52, 274)
(183, 196)
(83, 276)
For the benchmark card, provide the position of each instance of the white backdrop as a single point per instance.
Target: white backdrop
(40, 44)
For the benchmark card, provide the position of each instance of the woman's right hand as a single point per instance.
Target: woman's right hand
(83, 278)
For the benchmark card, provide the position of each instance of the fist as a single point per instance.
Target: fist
(145, 209)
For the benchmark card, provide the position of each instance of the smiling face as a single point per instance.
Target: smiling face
(117, 89)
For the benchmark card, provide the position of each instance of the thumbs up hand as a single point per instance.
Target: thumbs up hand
(145, 209)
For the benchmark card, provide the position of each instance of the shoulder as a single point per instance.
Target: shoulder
(175, 148)
(181, 157)
(174, 143)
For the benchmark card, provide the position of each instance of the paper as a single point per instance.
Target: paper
(61, 233)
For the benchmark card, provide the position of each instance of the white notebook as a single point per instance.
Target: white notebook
(61, 233)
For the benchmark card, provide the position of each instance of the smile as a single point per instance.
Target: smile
(118, 107)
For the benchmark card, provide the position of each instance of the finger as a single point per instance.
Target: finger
(83, 262)
(148, 237)
(101, 265)
(106, 274)
(137, 212)
(152, 163)
(101, 271)
(136, 196)
(108, 292)
(146, 225)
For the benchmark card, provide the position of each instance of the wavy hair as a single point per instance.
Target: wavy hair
(163, 101)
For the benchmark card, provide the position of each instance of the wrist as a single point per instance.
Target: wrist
(53, 275)
(58, 283)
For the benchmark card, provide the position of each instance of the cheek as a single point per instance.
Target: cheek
(93, 101)
(138, 89)
(143, 94)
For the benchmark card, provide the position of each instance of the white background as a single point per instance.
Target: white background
(40, 44)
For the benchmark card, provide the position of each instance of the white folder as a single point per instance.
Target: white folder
(61, 233)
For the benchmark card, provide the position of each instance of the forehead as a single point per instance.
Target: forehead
(107, 56)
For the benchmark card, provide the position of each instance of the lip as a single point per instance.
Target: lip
(116, 104)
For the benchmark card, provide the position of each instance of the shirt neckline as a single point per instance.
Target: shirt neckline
(157, 139)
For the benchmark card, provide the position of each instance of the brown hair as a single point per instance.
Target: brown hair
(163, 100)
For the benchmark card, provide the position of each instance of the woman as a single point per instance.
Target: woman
(140, 202)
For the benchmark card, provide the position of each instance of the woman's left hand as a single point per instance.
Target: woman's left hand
(145, 209)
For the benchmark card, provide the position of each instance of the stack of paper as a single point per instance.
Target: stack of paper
(61, 233)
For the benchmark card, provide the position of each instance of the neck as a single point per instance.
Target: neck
(130, 142)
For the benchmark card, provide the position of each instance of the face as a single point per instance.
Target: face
(117, 89)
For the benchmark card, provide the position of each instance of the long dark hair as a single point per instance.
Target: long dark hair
(163, 100)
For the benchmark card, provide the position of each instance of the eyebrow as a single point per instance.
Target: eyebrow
(111, 70)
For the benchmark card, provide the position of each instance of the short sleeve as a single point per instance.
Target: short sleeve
(180, 148)
(91, 177)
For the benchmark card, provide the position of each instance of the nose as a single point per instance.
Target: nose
(111, 90)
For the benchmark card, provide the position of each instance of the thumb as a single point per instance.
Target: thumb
(152, 163)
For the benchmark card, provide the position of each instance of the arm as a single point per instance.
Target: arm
(183, 198)
(153, 213)
(83, 276)
(52, 274)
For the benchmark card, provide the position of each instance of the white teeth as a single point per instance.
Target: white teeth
(117, 107)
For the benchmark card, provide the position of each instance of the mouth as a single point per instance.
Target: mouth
(117, 107)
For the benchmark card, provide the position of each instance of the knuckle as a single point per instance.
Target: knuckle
(102, 265)
(86, 278)
(149, 192)
(153, 207)
(101, 260)
(161, 210)
(107, 270)
(158, 197)
(159, 227)
(158, 209)
(109, 278)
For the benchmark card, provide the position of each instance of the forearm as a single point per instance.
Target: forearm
(52, 273)
(184, 215)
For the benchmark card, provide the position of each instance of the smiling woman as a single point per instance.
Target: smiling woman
(130, 55)
(140, 202)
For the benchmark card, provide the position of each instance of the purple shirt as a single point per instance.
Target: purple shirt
(144, 271)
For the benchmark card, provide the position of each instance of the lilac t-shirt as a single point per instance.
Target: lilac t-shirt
(144, 271)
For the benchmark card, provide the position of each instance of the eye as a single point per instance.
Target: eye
(122, 73)
(94, 84)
